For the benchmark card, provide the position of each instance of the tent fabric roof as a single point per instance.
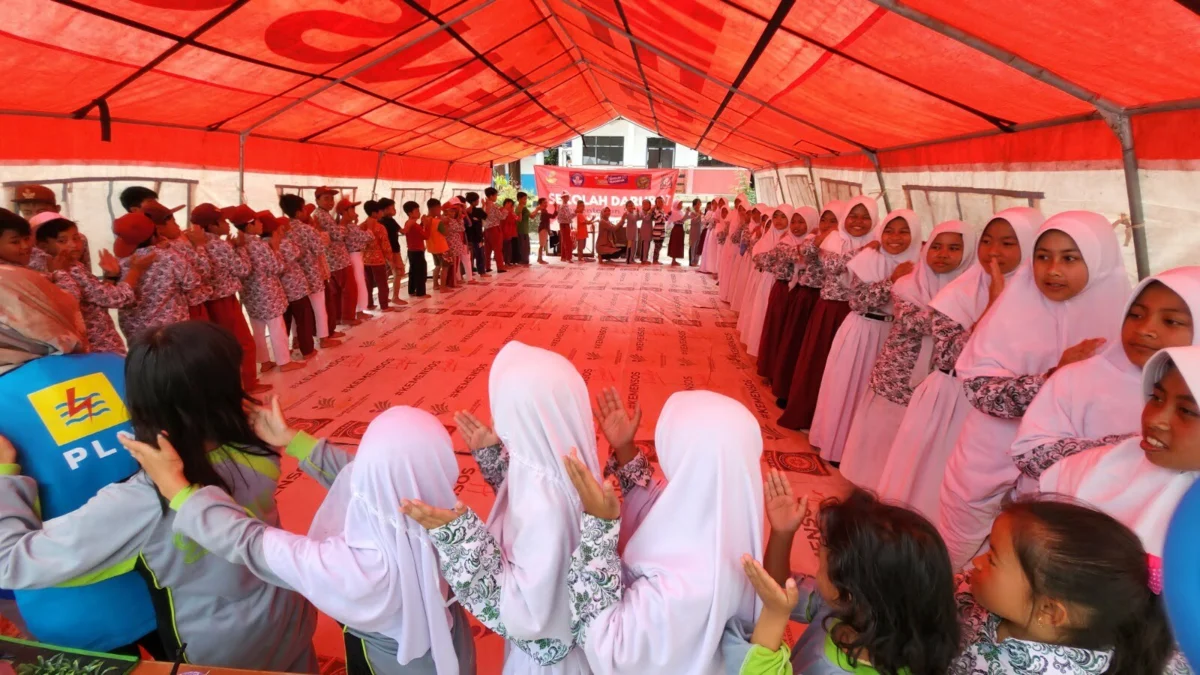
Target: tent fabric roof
(449, 83)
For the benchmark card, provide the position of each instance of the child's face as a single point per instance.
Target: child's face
(15, 249)
(1171, 425)
(646, 205)
(829, 222)
(896, 236)
(521, 201)
(254, 227)
(858, 222)
(799, 225)
(221, 229)
(168, 230)
(606, 213)
(999, 583)
(945, 252)
(779, 220)
(435, 211)
(999, 242)
(70, 242)
(1058, 266)
(325, 201)
(658, 202)
(1158, 318)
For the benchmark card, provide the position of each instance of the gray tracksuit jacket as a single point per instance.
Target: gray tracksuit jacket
(223, 613)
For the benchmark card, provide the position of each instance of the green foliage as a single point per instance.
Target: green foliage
(551, 157)
(505, 189)
(746, 188)
(61, 664)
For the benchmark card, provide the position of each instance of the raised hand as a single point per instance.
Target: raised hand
(901, 270)
(598, 500)
(997, 285)
(616, 423)
(477, 434)
(1084, 350)
(8, 452)
(141, 263)
(109, 263)
(197, 236)
(430, 517)
(873, 245)
(162, 463)
(785, 513)
(774, 597)
(270, 424)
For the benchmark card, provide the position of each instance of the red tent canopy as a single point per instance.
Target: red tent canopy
(444, 88)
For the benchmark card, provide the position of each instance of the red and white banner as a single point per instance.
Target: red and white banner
(599, 188)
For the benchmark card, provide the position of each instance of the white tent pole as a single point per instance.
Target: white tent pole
(887, 203)
(812, 178)
(1123, 128)
(1035, 71)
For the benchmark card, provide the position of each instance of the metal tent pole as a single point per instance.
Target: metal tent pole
(784, 197)
(375, 183)
(242, 167)
(812, 178)
(887, 203)
(1123, 128)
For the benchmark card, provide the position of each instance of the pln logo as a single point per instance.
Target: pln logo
(79, 408)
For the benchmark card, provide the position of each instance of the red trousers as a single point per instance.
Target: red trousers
(227, 313)
(301, 312)
(341, 283)
(377, 278)
(493, 242)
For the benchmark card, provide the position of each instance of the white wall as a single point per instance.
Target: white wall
(1171, 200)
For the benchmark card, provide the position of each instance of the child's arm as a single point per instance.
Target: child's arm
(778, 602)
(785, 514)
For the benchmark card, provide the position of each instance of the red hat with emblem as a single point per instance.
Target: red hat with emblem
(131, 230)
(325, 190)
(159, 214)
(34, 193)
(345, 205)
(206, 215)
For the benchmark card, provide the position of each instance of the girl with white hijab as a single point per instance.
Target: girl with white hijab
(858, 228)
(1067, 416)
(710, 254)
(362, 562)
(781, 267)
(917, 459)
(860, 338)
(1140, 481)
(762, 278)
(759, 218)
(905, 359)
(662, 605)
(512, 572)
(805, 292)
(739, 224)
(1054, 313)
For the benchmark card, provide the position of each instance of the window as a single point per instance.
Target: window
(936, 204)
(418, 195)
(604, 150)
(705, 160)
(800, 188)
(660, 153)
(765, 191)
(839, 190)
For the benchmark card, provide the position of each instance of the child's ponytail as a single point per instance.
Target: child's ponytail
(1144, 641)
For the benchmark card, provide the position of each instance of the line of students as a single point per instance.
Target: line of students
(664, 580)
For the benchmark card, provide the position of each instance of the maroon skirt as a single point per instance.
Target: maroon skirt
(675, 243)
(799, 310)
(827, 317)
(772, 330)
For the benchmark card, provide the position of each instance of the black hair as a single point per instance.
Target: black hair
(1090, 560)
(52, 228)
(409, 207)
(696, 200)
(185, 380)
(895, 586)
(133, 196)
(371, 207)
(386, 203)
(522, 195)
(541, 200)
(472, 197)
(291, 205)
(491, 191)
(433, 203)
(11, 221)
(507, 202)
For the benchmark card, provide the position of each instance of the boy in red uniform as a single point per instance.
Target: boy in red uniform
(376, 256)
(414, 235)
(341, 279)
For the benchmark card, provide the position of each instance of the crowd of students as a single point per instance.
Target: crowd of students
(1061, 394)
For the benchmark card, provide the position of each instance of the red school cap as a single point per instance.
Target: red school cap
(131, 230)
(240, 214)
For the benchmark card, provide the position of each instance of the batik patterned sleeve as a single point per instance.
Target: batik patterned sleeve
(637, 472)
(1003, 397)
(949, 339)
(186, 276)
(870, 297)
(493, 464)
(472, 565)
(1042, 457)
(102, 293)
(594, 578)
(223, 254)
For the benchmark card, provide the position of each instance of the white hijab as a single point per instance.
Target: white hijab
(841, 242)
(870, 265)
(540, 409)
(1025, 333)
(1119, 480)
(363, 563)
(919, 287)
(773, 236)
(1068, 405)
(684, 560)
(965, 298)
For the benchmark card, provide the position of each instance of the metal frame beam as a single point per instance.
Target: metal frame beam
(812, 179)
(683, 65)
(887, 203)
(595, 86)
(637, 59)
(1122, 127)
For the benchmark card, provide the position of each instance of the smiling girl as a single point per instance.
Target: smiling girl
(1059, 311)
(905, 356)
(857, 231)
(1067, 416)
(917, 458)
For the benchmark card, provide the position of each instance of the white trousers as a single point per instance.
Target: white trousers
(360, 279)
(276, 331)
(319, 314)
